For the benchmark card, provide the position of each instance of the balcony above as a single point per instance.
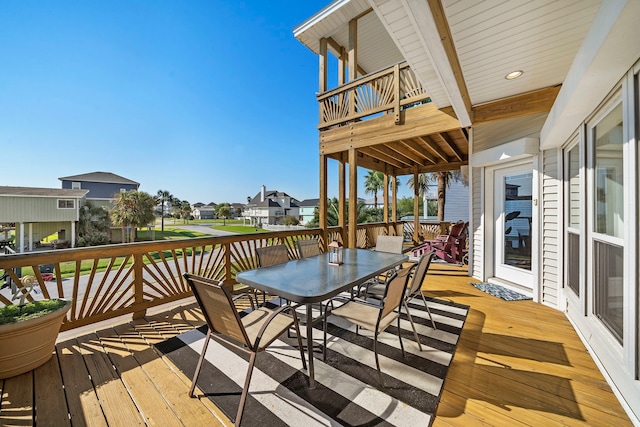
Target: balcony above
(390, 120)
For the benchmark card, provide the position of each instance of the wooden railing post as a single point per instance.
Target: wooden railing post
(396, 94)
(137, 286)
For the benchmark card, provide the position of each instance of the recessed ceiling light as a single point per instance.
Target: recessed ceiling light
(514, 75)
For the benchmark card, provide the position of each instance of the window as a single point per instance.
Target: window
(66, 204)
(608, 220)
(76, 185)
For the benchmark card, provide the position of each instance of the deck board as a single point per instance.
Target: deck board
(517, 363)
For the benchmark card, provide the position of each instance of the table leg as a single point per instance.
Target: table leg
(312, 380)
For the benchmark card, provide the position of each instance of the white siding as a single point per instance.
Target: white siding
(477, 227)
(551, 274)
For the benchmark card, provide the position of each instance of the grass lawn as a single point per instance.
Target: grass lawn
(240, 229)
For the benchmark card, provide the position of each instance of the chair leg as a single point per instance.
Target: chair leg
(245, 390)
(199, 365)
(297, 328)
(400, 337)
(428, 311)
(413, 326)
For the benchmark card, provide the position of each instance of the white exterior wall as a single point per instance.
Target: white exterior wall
(550, 228)
(476, 225)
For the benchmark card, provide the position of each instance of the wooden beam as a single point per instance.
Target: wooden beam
(444, 139)
(372, 152)
(401, 148)
(539, 101)
(420, 150)
(433, 147)
(353, 199)
(440, 167)
(422, 120)
(437, 11)
(393, 154)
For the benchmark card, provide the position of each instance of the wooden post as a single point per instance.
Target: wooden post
(385, 198)
(322, 208)
(396, 94)
(353, 62)
(353, 198)
(416, 207)
(227, 264)
(322, 75)
(322, 65)
(137, 285)
(342, 198)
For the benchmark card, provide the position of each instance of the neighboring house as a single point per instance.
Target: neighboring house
(202, 211)
(537, 103)
(236, 210)
(40, 212)
(270, 207)
(308, 210)
(456, 206)
(102, 186)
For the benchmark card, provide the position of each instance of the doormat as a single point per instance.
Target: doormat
(500, 291)
(348, 391)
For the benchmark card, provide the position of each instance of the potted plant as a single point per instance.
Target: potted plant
(28, 331)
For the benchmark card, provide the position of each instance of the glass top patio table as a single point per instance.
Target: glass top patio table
(313, 280)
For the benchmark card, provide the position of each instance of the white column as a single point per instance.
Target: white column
(73, 234)
(20, 238)
(30, 237)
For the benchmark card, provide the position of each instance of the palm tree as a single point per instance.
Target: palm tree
(444, 180)
(133, 209)
(93, 224)
(174, 202)
(185, 211)
(373, 183)
(224, 211)
(163, 197)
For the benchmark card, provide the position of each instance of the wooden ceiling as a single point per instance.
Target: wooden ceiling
(426, 140)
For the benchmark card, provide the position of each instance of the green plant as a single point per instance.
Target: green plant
(27, 310)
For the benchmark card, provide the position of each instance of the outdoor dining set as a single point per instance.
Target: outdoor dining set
(368, 288)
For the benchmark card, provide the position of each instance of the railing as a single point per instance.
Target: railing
(389, 90)
(108, 281)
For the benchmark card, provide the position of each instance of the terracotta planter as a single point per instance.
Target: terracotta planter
(26, 345)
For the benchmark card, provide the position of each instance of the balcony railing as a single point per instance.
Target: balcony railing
(108, 281)
(387, 91)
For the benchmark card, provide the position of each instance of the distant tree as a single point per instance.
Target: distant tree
(185, 211)
(363, 215)
(174, 204)
(93, 225)
(163, 198)
(374, 182)
(291, 220)
(443, 179)
(223, 211)
(133, 209)
(405, 206)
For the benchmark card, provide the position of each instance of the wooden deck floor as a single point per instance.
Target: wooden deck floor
(518, 364)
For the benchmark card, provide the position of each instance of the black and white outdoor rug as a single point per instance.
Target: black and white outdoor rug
(348, 390)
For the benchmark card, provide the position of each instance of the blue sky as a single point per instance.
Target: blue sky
(206, 99)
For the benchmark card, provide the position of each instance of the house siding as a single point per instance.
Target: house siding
(477, 226)
(36, 209)
(550, 275)
(101, 190)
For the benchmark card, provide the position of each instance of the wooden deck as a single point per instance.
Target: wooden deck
(518, 363)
